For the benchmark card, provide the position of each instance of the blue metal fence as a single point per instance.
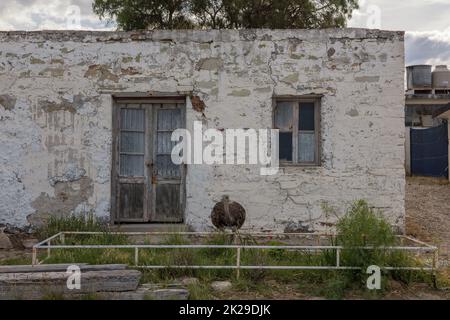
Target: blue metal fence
(429, 151)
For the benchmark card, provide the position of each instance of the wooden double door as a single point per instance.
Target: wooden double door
(146, 185)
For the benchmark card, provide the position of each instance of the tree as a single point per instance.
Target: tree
(145, 14)
(225, 14)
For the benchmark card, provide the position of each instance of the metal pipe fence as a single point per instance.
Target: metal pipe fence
(416, 247)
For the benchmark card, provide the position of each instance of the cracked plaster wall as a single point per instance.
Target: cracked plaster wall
(56, 102)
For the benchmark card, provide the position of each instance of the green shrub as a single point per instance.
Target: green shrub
(364, 227)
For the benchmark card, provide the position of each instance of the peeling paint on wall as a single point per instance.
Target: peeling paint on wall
(56, 118)
(7, 102)
(68, 196)
(198, 104)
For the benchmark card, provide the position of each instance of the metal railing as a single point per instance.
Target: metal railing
(418, 247)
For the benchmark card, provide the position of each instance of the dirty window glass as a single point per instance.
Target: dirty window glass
(283, 116)
(306, 117)
(132, 142)
(131, 165)
(306, 147)
(285, 146)
(299, 132)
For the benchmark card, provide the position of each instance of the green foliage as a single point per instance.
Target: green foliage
(86, 222)
(15, 261)
(225, 14)
(363, 227)
(200, 291)
(335, 286)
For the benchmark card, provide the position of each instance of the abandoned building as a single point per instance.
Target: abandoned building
(86, 121)
(427, 112)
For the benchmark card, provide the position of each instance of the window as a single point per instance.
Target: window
(299, 123)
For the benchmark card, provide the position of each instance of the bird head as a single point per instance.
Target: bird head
(226, 199)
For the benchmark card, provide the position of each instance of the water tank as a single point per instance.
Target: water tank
(419, 77)
(441, 77)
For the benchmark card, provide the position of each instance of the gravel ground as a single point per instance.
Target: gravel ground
(428, 212)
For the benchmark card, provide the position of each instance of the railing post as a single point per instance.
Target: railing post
(238, 263)
(436, 259)
(338, 257)
(435, 267)
(49, 243)
(136, 256)
(34, 260)
(63, 238)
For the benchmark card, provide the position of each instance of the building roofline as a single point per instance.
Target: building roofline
(312, 35)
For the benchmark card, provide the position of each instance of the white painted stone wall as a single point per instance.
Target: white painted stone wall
(56, 103)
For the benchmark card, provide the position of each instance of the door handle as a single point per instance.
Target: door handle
(149, 164)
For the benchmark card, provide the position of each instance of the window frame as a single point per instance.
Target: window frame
(296, 100)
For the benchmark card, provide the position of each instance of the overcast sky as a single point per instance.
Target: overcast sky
(427, 22)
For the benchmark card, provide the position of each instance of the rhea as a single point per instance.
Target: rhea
(228, 214)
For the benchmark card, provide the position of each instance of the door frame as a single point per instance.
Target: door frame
(149, 190)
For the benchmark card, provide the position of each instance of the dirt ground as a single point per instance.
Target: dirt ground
(428, 212)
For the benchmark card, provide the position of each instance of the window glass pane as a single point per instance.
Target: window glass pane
(283, 116)
(132, 142)
(132, 119)
(166, 168)
(131, 166)
(169, 119)
(165, 144)
(285, 146)
(306, 117)
(306, 147)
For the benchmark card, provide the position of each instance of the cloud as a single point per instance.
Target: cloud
(428, 47)
(426, 21)
(49, 14)
(409, 15)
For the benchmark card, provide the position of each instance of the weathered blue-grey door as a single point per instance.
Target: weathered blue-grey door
(167, 178)
(147, 186)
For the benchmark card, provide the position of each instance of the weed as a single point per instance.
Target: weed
(86, 222)
(200, 291)
(364, 227)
